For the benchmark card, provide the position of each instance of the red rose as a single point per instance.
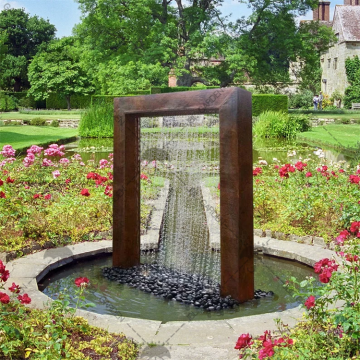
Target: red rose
(85, 192)
(243, 341)
(2, 195)
(310, 302)
(14, 288)
(9, 180)
(24, 299)
(2, 267)
(143, 177)
(81, 281)
(5, 275)
(1, 182)
(37, 196)
(47, 197)
(4, 298)
(308, 174)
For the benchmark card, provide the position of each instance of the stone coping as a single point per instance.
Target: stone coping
(198, 337)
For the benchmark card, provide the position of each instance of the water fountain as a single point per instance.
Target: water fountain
(236, 216)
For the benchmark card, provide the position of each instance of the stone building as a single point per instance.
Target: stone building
(346, 26)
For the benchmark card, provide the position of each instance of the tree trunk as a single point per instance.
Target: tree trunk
(67, 97)
(17, 85)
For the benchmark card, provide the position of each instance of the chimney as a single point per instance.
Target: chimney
(322, 13)
(172, 78)
(351, 2)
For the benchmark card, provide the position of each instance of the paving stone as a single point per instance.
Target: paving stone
(319, 241)
(294, 238)
(280, 235)
(259, 232)
(306, 240)
(199, 332)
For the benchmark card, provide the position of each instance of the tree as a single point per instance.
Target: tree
(25, 36)
(58, 69)
(149, 32)
(184, 36)
(3, 47)
(271, 38)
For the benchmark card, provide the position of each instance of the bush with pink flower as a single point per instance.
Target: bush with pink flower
(47, 196)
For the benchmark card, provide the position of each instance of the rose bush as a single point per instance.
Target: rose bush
(331, 325)
(46, 196)
(54, 333)
(309, 197)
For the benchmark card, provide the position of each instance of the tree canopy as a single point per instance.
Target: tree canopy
(58, 69)
(148, 38)
(25, 35)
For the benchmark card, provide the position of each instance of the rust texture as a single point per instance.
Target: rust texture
(236, 183)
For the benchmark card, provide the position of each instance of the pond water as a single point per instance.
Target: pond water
(121, 300)
(267, 149)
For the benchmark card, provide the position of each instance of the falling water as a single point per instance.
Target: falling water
(185, 156)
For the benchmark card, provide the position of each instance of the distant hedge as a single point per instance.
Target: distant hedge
(96, 99)
(166, 89)
(77, 101)
(19, 99)
(268, 102)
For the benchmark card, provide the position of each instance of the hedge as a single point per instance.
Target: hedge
(166, 89)
(19, 99)
(77, 101)
(95, 99)
(268, 102)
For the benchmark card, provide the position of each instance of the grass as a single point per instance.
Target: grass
(53, 115)
(21, 137)
(339, 136)
(329, 114)
(51, 112)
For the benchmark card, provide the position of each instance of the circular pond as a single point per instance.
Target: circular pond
(117, 299)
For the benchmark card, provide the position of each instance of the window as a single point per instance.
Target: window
(335, 63)
(329, 63)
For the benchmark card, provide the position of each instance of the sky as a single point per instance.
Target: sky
(64, 14)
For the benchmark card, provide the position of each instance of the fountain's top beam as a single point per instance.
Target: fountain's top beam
(181, 103)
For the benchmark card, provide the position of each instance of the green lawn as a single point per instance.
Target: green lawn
(51, 115)
(21, 137)
(330, 114)
(339, 136)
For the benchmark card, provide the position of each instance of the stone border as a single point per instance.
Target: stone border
(150, 240)
(27, 271)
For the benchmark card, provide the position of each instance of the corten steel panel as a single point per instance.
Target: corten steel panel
(236, 204)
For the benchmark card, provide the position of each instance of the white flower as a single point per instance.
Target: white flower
(263, 162)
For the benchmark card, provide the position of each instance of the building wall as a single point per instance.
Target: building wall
(333, 66)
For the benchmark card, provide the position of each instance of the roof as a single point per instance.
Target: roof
(349, 21)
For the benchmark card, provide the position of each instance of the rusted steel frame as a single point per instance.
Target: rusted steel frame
(236, 204)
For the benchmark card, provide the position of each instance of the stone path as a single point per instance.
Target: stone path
(212, 339)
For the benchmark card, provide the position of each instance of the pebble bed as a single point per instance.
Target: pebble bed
(176, 286)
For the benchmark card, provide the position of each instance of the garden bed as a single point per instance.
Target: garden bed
(48, 200)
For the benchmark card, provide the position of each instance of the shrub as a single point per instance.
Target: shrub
(301, 100)
(55, 123)
(302, 120)
(8, 102)
(272, 124)
(38, 121)
(269, 102)
(77, 101)
(98, 120)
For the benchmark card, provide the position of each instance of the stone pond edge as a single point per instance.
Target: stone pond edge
(29, 270)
